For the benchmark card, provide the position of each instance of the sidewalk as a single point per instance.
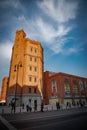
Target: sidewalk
(7, 109)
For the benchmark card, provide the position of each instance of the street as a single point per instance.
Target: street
(73, 119)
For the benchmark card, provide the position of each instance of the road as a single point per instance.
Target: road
(63, 120)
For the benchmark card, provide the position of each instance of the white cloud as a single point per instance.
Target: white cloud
(40, 29)
(57, 45)
(5, 50)
(49, 32)
(59, 10)
(63, 30)
(46, 30)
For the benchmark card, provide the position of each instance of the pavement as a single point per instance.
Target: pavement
(6, 118)
(2, 126)
(5, 125)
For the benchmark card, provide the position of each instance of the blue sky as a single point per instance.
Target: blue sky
(60, 26)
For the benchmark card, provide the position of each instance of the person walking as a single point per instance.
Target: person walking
(12, 106)
(35, 105)
(57, 105)
(42, 106)
(30, 106)
(27, 107)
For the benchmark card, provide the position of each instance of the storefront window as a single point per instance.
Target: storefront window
(66, 87)
(54, 87)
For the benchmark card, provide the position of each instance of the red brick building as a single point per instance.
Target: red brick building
(64, 88)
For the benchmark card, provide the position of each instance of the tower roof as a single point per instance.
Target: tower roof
(21, 31)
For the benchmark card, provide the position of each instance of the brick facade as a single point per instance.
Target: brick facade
(4, 89)
(64, 88)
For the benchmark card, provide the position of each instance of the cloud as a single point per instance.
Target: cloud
(59, 10)
(10, 3)
(5, 50)
(53, 38)
(39, 28)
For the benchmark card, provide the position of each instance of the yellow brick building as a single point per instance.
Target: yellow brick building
(26, 71)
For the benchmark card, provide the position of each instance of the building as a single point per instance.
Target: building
(26, 71)
(63, 88)
(28, 82)
(4, 90)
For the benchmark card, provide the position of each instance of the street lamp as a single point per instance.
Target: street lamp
(17, 66)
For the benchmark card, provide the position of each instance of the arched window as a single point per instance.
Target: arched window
(66, 87)
(54, 87)
(75, 88)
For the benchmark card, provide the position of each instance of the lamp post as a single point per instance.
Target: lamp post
(17, 66)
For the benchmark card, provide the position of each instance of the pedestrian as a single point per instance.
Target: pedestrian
(35, 105)
(12, 106)
(77, 104)
(9, 104)
(23, 106)
(57, 105)
(27, 107)
(42, 106)
(67, 105)
(30, 106)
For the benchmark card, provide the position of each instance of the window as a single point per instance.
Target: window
(35, 50)
(29, 90)
(30, 79)
(35, 79)
(30, 58)
(7, 82)
(35, 59)
(35, 69)
(30, 68)
(75, 87)
(30, 49)
(66, 87)
(35, 90)
(54, 87)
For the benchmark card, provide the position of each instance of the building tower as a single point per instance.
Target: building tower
(4, 90)
(26, 71)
